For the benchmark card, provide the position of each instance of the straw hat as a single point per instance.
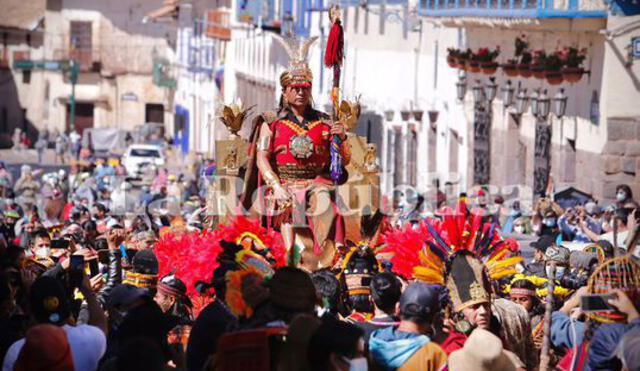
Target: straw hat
(483, 351)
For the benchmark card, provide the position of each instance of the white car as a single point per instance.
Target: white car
(138, 156)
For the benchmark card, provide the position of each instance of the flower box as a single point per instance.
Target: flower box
(489, 68)
(554, 77)
(473, 66)
(572, 74)
(510, 69)
(524, 70)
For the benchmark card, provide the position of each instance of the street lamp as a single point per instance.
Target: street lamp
(534, 102)
(521, 101)
(508, 93)
(417, 114)
(388, 115)
(491, 89)
(544, 104)
(478, 93)
(461, 88)
(560, 103)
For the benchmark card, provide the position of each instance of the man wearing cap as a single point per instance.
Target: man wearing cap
(536, 268)
(290, 152)
(8, 224)
(408, 346)
(49, 304)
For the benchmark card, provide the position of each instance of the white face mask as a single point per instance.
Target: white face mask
(621, 196)
(519, 229)
(358, 364)
(43, 252)
(559, 271)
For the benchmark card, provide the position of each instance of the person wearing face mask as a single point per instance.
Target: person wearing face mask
(624, 197)
(545, 217)
(560, 256)
(40, 248)
(408, 346)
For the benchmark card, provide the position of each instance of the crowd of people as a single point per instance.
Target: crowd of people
(91, 280)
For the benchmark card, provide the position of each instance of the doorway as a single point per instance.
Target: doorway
(154, 113)
(84, 116)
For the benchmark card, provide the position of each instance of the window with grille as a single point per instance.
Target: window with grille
(80, 44)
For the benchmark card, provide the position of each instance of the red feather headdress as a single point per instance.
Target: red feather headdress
(424, 250)
(193, 255)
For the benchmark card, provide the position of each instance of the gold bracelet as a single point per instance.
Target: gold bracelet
(271, 178)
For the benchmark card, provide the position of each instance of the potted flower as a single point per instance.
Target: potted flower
(523, 56)
(487, 59)
(538, 64)
(573, 58)
(473, 65)
(463, 59)
(510, 68)
(553, 68)
(452, 57)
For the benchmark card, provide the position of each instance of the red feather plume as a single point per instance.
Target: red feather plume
(335, 46)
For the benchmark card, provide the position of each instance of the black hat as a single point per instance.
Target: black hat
(419, 299)
(543, 243)
(145, 261)
(49, 302)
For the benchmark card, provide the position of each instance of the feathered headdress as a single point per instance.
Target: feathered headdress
(460, 251)
(193, 256)
(298, 72)
(249, 234)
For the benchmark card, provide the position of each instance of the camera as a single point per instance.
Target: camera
(573, 281)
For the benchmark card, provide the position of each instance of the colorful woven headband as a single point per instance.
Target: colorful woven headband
(145, 281)
(522, 291)
(168, 289)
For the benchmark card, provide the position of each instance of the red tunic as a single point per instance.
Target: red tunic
(314, 158)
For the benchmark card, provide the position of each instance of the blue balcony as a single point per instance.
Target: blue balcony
(512, 8)
(346, 3)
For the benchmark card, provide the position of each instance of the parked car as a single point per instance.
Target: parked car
(139, 157)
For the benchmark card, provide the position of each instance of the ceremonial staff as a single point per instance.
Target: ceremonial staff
(545, 357)
(333, 56)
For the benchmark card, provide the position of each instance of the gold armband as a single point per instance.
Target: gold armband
(264, 143)
(271, 178)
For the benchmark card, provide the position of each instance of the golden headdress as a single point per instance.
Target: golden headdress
(298, 72)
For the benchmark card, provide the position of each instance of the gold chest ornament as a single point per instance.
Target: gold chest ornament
(301, 146)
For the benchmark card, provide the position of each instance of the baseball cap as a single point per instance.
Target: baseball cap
(419, 299)
(543, 243)
(49, 302)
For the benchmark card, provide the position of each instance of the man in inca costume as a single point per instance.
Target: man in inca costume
(290, 155)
